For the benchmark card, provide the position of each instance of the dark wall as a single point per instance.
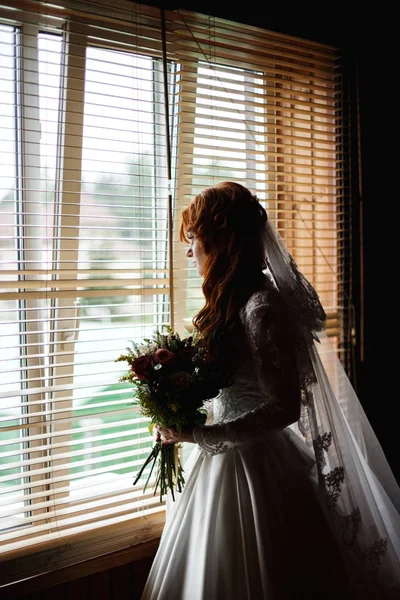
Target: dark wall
(369, 48)
(379, 130)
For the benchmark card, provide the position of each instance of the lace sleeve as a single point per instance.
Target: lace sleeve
(272, 347)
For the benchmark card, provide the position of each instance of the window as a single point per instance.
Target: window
(265, 115)
(84, 270)
(85, 235)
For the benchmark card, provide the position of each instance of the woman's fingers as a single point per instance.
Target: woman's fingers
(165, 434)
(171, 436)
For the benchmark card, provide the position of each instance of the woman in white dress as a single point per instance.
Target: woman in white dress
(288, 494)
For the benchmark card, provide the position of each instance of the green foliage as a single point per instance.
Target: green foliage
(170, 391)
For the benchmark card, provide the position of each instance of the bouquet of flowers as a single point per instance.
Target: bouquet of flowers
(172, 378)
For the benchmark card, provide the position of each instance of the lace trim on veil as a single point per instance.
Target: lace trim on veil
(354, 508)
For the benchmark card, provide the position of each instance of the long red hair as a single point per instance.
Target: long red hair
(228, 220)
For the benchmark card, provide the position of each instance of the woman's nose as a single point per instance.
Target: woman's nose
(189, 252)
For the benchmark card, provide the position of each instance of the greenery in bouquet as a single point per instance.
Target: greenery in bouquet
(172, 377)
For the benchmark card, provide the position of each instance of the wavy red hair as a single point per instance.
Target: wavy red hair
(228, 220)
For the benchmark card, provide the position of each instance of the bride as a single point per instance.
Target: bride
(288, 493)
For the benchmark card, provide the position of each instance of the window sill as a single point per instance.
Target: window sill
(94, 552)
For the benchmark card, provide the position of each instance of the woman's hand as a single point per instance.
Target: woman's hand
(170, 436)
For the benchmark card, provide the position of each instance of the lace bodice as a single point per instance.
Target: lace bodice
(265, 395)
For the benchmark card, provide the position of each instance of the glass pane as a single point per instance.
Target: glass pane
(49, 50)
(229, 118)
(123, 240)
(10, 440)
(7, 131)
(10, 411)
(24, 337)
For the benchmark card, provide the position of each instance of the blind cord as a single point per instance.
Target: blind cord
(169, 176)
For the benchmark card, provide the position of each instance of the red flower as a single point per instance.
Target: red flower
(163, 356)
(141, 366)
(181, 380)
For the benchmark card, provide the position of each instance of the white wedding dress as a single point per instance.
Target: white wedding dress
(266, 515)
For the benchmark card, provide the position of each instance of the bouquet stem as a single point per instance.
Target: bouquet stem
(169, 470)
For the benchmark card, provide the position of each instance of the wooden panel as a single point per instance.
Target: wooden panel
(99, 585)
(141, 570)
(122, 583)
(118, 576)
(77, 589)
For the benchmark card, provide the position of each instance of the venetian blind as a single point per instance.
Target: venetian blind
(84, 270)
(266, 110)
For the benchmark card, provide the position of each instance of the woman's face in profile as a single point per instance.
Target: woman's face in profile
(196, 252)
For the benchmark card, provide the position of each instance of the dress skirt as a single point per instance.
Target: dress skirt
(252, 524)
